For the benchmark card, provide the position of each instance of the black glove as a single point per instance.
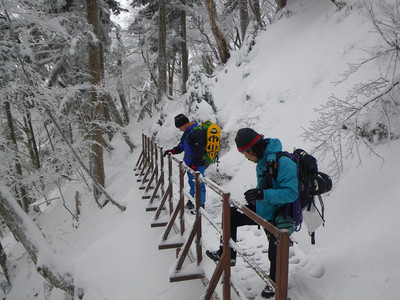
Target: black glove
(168, 151)
(253, 195)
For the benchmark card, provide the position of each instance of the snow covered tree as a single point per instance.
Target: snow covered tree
(44, 77)
(369, 115)
(199, 92)
(184, 49)
(29, 235)
(162, 51)
(45, 88)
(222, 43)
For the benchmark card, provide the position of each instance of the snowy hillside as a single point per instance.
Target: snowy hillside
(274, 89)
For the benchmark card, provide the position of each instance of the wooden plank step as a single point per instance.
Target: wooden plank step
(159, 224)
(140, 179)
(176, 241)
(186, 277)
(142, 187)
(151, 208)
(188, 272)
(169, 246)
(148, 196)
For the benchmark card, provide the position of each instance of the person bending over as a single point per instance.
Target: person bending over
(270, 195)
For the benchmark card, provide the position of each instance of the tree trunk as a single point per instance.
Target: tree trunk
(219, 36)
(97, 163)
(207, 64)
(339, 4)
(32, 146)
(162, 51)
(121, 94)
(120, 85)
(255, 8)
(280, 4)
(184, 50)
(171, 72)
(29, 235)
(3, 263)
(106, 114)
(25, 200)
(117, 119)
(244, 17)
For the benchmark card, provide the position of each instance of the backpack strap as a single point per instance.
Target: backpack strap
(293, 209)
(271, 171)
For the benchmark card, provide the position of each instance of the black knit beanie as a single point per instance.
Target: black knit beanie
(246, 138)
(181, 120)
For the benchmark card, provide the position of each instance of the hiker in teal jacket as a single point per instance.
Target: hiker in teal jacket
(271, 193)
(284, 188)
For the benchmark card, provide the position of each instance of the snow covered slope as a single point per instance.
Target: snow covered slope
(274, 88)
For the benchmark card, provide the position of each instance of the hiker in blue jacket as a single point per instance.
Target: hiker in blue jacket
(193, 145)
(268, 197)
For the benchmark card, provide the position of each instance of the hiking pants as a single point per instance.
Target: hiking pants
(240, 219)
(191, 182)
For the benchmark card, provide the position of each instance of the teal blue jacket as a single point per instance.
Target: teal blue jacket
(284, 188)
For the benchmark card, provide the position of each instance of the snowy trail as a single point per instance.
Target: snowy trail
(125, 262)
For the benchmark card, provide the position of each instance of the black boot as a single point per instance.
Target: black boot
(268, 292)
(189, 205)
(216, 255)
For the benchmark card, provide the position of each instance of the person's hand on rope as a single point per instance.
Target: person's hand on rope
(169, 151)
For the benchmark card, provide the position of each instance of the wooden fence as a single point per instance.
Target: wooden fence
(157, 179)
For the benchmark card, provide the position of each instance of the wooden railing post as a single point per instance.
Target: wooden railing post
(147, 144)
(144, 161)
(151, 142)
(156, 164)
(224, 264)
(198, 216)
(226, 235)
(146, 156)
(282, 264)
(140, 160)
(181, 196)
(154, 167)
(162, 170)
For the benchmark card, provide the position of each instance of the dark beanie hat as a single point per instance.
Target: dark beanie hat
(246, 138)
(181, 120)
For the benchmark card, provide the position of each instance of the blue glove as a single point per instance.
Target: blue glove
(253, 195)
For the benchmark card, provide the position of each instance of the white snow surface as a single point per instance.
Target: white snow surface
(273, 89)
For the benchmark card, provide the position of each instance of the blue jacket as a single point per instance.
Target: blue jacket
(193, 144)
(284, 189)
